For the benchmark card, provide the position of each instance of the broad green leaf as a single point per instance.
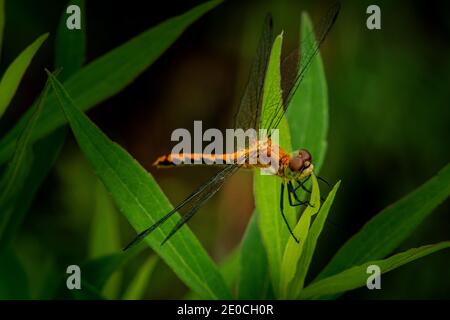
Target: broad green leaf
(13, 279)
(108, 74)
(357, 276)
(272, 97)
(13, 75)
(70, 47)
(104, 237)
(293, 250)
(137, 287)
(311, 241)
(308, 111)
(2, 23)
(139, 198)
(14, 177)
(267, 187)
(254, 279)
(383, 233)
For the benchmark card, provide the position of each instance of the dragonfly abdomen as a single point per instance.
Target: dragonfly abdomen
(172, 160)
(248, 158)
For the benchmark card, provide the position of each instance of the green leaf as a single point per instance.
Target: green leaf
(357, 276)
(2, 23)
(16, 173)
(138, 196)
(13, 75)
(104, 237)
(70, 48)
(293, 250)
(272, 97)
(383, 233)
(308, 111)
(254, 279)
(108, 74)
(267, 187)
(137, 287)
(311, 241)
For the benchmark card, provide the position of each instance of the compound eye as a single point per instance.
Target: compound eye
(305, 155)
(295, 164)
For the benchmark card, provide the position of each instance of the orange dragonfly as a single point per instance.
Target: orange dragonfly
(297, 168)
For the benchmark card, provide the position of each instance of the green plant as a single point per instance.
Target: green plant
(34, 143)
(282, 264)
(289, 262)
(142, 202)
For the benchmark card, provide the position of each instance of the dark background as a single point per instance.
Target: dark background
(389, 123)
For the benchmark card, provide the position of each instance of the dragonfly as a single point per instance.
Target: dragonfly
(296, 168)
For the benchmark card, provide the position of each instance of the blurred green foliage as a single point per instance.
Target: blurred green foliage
(388, 97)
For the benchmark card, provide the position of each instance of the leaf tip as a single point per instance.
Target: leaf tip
(43, 37)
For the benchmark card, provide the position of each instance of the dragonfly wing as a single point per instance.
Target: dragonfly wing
(208, 190)
(292, 76)
(192, 203)
(249, 111)
(187, 216)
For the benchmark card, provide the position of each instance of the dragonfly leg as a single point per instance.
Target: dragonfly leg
(323, 180)
(301, 184)
(291, 191)
(282, 212)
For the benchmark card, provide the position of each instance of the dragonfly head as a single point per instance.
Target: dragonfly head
(301, 165)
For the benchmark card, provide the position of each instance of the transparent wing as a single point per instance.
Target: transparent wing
(292, 76)
(249, 111)
(190, 205)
